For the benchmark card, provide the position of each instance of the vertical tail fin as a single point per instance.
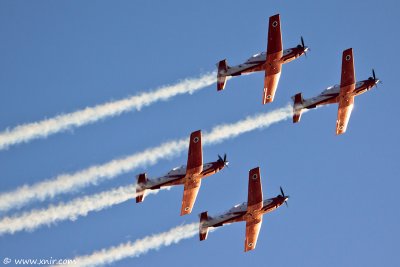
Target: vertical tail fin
(297, 107)
(203, 229)
(140, 187)
(221, 75)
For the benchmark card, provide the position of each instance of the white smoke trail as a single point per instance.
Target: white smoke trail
(44, 128)
(29, 221)
(141, 246)
(69, 182)
(92, 175)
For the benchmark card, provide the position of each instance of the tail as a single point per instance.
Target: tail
(203, 229)
(140, 187)
(297, 107)
(221, 75)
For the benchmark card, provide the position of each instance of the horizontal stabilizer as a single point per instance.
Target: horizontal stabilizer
(297, 107)
(140, 187)
(203, 230)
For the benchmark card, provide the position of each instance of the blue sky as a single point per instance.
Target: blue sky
(57, 57)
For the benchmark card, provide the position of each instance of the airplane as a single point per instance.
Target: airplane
(270, 61)
(251, 212)
(342, 94)
(190, 176)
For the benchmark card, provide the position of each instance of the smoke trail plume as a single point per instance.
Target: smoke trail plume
(29, 221)
(44, 128)
(70, 182)
(92, 175)
(139, 247)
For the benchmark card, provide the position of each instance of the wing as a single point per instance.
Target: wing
(271, 80)
(346, 104)
(274, 53)
(274, 35)
(255, 195)
(195, 155)
(348, 74)
(252, 231)
(254, 203)
(190, 191)
(346, 95)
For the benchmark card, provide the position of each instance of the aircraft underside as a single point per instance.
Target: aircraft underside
(246, 69)
(319, 101)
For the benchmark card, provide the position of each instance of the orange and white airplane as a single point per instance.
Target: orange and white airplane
(190, 176)
(251, 212)
(270, 62)
(342, 94)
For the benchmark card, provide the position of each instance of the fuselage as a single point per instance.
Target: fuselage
(177, 175)
(259, 61)
(239, 212)
(331, 94)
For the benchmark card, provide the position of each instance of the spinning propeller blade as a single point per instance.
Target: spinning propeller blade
(285, 197)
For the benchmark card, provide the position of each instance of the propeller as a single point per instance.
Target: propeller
(304, 46)
(220, 159)
(285, 197)
(375, 79)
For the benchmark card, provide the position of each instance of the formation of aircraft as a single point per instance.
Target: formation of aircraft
(190, 175)
(250, 212)
(342, 94)
(270, 62)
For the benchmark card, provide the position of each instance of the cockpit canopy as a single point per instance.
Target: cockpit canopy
(178, 170)
(237, 207)
(256, 57)
(331, 89)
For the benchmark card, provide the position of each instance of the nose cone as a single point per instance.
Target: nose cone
(220, 164)
(224, 164)
(306, 48)
(283, 200)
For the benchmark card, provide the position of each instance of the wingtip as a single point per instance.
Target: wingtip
(256, 169)
(185, 210)
(267, 101)
(275, 16)
(183, 213)
(348, 51)
(249, 247)
(195, 136)
(267, 98)
(197, 132)
(340, 129)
